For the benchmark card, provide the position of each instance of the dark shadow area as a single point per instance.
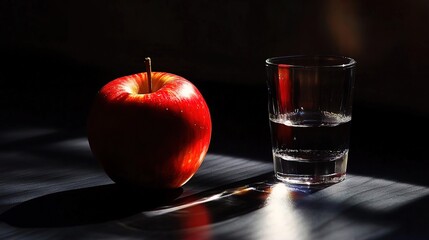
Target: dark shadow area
(389, 143)
(86, 206)
(57, 149)
(240, 119)
(28, 141)
(46, 88)
(412, 221)
(407, 221)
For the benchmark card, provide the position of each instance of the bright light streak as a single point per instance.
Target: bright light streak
(279, 217)
(218, 196)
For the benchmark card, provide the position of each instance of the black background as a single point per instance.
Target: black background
(57, 54)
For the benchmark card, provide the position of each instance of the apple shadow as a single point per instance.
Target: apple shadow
(86, 206)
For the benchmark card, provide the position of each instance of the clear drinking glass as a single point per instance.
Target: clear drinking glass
(310, 113)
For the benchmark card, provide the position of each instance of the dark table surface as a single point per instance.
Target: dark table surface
(51, 187)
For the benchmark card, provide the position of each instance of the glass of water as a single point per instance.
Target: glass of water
(310, 113)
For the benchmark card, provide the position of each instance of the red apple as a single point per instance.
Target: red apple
(154, 139)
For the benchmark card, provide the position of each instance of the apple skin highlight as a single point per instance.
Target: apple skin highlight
(152, 140)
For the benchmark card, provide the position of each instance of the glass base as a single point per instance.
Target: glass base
(310, 173)
(310, 180)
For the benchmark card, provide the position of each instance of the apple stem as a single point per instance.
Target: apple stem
(149, 73)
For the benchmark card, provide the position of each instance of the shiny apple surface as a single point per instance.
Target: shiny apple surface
(151, 139)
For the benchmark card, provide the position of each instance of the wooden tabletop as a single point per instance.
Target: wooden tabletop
(52, 188)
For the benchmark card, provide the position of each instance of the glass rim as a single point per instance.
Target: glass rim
(277, 61)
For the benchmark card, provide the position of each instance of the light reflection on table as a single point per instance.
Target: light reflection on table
(271, 210)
